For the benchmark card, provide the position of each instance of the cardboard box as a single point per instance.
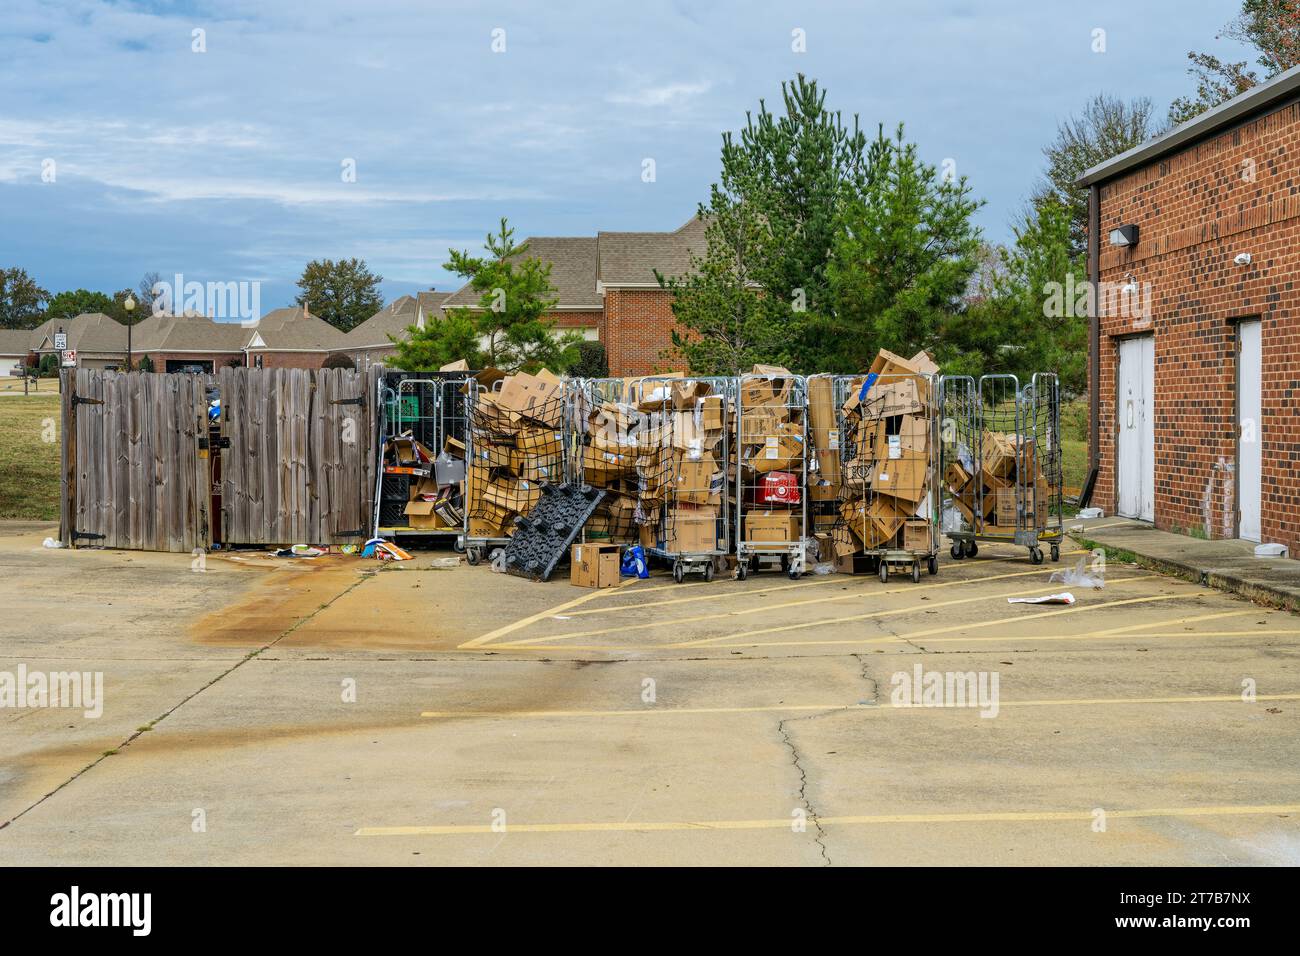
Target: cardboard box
(536, 397)
(594, 565)
(535, 440)
(712, 413)
(691, 530)
(460, 365)
(696, 482)
(824, 427)
(916, 534)
(542, 468)
(998, 454)
(1005, 507)
(600, 467)
(820, 489)
(894, 396)
(780, 452)
(768, 527)
(772, 389)
(854, 564)
(906, 477)
(875, 523)
(956, 476)
(515, 495)
(756, 424)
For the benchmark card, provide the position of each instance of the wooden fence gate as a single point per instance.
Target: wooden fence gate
(296, 447)
(132, 476)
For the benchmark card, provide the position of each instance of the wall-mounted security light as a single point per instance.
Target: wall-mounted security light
(1242, 258)
(1124, 236)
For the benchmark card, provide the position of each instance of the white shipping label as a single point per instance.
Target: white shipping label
(833, 437)
(773, 448)
(895, 446)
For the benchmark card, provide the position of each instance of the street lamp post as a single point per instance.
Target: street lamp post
(129, 305)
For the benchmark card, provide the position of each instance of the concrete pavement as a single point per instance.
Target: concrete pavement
(464, 717)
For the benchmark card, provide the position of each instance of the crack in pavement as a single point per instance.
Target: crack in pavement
(145, 728)
(820, 837)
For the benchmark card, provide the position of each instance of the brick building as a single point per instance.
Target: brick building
(607, 290)
(1194, 243)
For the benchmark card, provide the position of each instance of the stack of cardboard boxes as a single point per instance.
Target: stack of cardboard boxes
(772, 446)
(517, 445)
(886, 460)
(1008, 470)
(437, 483)
(680, 466)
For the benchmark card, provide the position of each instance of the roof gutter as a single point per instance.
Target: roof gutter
(1276, 93)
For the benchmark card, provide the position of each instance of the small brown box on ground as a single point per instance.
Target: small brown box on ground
(594, 565)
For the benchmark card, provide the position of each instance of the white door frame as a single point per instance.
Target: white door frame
(1140, 351)
(1248, 413)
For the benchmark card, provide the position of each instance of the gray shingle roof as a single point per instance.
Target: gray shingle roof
(15, 341)
(188, 333)
(631, 258)
(293, 329)
(90, 332)
(573, 273)
(395, 318)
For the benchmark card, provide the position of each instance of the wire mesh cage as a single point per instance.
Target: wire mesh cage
(603, 455)
(517, 436)
(772, 471)
(1002, 463)
(684, 452)
(889, 502)
(421, 476)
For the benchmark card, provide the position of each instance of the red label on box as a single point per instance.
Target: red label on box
(779, 488)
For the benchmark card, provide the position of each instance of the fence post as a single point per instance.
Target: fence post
(68, 455)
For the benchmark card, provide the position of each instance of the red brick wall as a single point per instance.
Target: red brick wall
(577, 320)
(637, 331)
(287, 359)
(218, 359)
(1196, 211)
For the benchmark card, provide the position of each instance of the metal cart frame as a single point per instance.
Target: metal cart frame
(440, 414)
(790, 554)
(873, 452)
(702, 562)
(1032, 415)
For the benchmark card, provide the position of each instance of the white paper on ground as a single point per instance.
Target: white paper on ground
(1065, 597)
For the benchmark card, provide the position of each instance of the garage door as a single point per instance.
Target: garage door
(1136, 447)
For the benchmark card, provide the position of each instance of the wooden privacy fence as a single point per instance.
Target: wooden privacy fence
(290, 459)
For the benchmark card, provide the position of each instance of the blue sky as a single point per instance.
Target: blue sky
(227, 164)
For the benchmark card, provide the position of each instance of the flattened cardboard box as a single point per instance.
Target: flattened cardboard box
(906, 477)
(780, 452)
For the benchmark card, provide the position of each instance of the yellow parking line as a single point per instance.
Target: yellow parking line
(899, 638)
(831, 708)
(541, 615)
(766, 608)
(784, 823)
(1218, 615)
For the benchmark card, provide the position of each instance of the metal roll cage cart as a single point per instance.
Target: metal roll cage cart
(602, 454)
(1004, 440)
(686, 448)
(771, 439)
(895, 439)
(430, 406)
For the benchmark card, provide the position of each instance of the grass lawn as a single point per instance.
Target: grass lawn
(29, 463)
(42, 385)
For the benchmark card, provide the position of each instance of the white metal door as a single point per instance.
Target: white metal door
(1249, 437)
(1135, 451)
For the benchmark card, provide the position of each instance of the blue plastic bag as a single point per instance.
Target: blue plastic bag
(634, 563)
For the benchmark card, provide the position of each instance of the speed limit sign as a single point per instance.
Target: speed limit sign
(60, 341)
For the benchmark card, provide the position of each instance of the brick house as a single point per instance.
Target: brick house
(607, 290)
(1192, 392)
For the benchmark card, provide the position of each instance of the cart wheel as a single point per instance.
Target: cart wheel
(1036, 555)
(708, 571)
(957, 551)
(916, 572)
(473, 555)
(793, 572)
(1056, 552)
(932, 565)
(884, 572)
(742, 570)
(458, 546)
(972, 548)
(678, 573)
